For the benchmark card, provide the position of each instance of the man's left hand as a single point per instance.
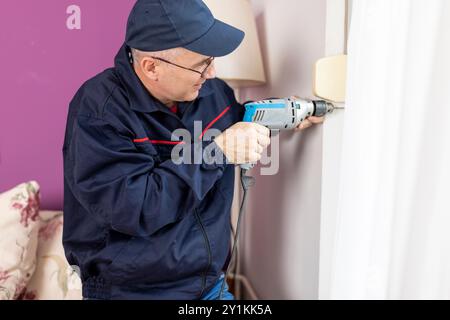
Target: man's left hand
(308, 122)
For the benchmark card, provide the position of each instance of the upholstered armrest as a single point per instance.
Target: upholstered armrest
(53, 278)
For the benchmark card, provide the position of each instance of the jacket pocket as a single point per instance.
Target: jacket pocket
(176, 252)
(121, 266)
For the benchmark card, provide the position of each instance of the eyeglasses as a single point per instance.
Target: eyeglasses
(201, 73)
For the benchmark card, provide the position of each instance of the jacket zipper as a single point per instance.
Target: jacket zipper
(208, 247)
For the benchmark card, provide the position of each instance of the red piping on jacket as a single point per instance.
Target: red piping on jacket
(182, 142)
(215, 120)
(159, 141)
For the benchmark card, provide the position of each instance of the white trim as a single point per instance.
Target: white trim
(336, 41)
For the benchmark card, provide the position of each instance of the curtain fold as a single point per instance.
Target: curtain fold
(393, 215)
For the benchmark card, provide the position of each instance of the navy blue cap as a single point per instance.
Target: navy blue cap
(155, 25)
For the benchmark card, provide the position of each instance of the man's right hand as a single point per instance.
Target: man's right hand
(244, 142)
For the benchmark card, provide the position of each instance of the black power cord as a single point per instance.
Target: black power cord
(246, 182)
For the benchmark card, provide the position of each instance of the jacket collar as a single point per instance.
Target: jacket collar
(140, 99)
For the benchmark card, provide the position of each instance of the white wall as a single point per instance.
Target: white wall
(281, 235)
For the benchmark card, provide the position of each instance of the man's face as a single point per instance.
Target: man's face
(180, 84)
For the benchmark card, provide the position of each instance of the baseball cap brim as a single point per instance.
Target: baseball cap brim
(220, 40)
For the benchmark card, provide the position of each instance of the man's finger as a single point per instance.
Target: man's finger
(262, 129)
(316, 120)
(263, 141)
(259, 149)
(305, 124)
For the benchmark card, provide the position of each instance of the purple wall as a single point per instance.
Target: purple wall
(42, 64)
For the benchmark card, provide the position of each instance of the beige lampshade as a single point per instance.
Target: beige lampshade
(244, 67)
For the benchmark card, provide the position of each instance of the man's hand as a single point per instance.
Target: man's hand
(308, 122)
(244, 142)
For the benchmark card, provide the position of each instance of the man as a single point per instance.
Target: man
(138, 225)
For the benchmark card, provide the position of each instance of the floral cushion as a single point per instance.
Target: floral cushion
(19, 227)
(53, 279)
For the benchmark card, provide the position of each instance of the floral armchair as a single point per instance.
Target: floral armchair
(32, 261)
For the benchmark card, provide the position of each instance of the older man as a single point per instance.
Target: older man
(137, 224)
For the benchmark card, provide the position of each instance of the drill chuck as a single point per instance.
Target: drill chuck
(321, 108)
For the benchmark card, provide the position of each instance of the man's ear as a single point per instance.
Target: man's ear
(149, 67)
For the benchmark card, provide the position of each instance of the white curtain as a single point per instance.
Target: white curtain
(393, 216)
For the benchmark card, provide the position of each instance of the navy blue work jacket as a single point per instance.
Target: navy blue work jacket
(137, 225)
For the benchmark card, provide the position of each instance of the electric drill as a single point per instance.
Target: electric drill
(283, 114)
(276, 115)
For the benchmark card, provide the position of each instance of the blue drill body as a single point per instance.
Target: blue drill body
(284, 114)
